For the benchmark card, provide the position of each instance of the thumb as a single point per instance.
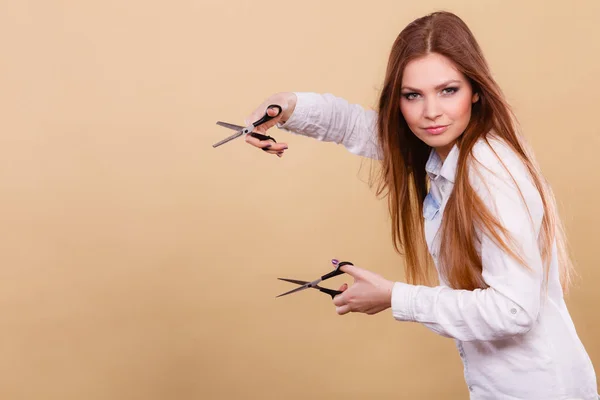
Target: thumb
(271, 112)
(355, 272)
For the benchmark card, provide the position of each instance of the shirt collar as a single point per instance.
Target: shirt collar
(447, 169)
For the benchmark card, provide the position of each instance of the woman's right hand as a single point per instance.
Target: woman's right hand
(287, 101)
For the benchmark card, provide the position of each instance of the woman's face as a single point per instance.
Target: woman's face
(436, 101)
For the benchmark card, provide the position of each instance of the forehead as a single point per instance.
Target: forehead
(429, 71)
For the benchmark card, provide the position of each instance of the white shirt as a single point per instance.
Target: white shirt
(516, 341)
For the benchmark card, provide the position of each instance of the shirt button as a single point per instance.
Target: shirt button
(513, 310)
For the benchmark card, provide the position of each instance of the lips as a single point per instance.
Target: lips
(436, 130)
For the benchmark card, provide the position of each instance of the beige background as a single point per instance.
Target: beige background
(137, 262)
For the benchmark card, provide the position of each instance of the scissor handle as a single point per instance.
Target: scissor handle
(337, 271)
(267, 117)
(331, 292)
(260, 136)
(261, 121)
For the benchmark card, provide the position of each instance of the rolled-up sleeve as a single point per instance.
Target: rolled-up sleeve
(328, 118)
(510, 305)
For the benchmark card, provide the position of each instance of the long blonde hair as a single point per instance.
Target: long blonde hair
(405, 181)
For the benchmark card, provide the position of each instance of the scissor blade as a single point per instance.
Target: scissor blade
(297, 282)
(227, 139)
(294, 290)
(230, 126)
(306, 285)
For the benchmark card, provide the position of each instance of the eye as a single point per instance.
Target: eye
(450, 90)
(410, 96)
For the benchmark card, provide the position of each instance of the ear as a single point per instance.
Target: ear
(475, 98)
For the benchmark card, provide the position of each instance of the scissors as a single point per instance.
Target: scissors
(241, 130)
(315, 284)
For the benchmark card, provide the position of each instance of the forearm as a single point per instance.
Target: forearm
(482, 314)
(328, 118)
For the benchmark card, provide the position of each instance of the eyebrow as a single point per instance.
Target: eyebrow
(437, 87)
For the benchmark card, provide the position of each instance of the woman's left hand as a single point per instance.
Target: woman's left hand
(370, 293)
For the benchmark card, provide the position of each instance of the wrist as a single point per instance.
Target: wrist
(290, 100)
(387, 290)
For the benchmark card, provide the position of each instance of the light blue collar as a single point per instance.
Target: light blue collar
(447, 169)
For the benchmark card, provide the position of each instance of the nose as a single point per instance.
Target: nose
(432, 109)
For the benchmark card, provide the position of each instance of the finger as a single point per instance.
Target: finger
(269, 145)
(273, 146)
(339, 300)
(353, 271)
(260, 112)
(345, 309)
(277, 153)
(343, 287)
(272, 112)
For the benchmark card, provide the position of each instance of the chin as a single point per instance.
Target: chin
(438, 141)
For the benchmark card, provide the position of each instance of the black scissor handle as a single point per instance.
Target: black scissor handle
(331, 292)
(260, 136)
(267, 117)
(264, 119)
(337, 271)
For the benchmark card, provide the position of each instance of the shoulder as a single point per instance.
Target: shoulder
(498, 173)
(495, 155)
(495, 160)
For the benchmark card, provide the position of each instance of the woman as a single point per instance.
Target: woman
(464, 192)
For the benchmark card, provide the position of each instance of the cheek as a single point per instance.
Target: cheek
(460, 110)
(410, 113)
